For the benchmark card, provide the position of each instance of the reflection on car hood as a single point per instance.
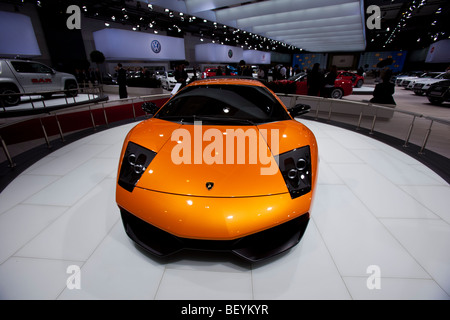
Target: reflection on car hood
(169, 174)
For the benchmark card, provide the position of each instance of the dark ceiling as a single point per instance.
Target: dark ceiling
(405, 24)
(409, 25)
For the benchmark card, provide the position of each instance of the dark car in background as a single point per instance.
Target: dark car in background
(439, 92)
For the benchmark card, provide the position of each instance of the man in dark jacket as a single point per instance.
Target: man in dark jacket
(384, 91)
(181, 75)
(330, 78)
(314, 80)
(122, 81)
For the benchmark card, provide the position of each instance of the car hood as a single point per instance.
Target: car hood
(174, 171)
(429, 81)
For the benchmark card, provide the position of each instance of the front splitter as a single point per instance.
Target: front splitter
(254, 247)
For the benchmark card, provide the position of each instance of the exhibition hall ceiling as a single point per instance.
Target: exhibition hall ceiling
(317, 26)
(285, 26)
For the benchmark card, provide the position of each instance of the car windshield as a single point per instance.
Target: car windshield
(443, 76)
(224, 104)
(429, 75)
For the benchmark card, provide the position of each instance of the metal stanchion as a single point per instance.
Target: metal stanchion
(425, 140)
(8, 156)
(360, 118)
(329, 111)
(104, 113)
(409, 132)
(373, 121)
(59, 128)
(92, 119)
(45, 133)
(134, 112)
(317, 111)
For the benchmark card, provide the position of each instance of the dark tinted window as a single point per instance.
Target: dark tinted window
(223, 103)
(30, 67)
(22, 67)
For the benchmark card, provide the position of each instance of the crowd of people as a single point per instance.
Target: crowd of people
(319, 81)
(84, 77)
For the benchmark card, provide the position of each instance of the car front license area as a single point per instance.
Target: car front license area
(254, 247)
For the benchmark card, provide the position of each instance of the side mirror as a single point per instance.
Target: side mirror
(299, 109)
(149, 107)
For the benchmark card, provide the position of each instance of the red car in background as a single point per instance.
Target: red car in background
(212, 72)
(342, 87)
(355, 78)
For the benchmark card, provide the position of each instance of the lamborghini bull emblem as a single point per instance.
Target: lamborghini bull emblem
(209, 185)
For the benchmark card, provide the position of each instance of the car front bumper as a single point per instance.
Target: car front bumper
(254, 247)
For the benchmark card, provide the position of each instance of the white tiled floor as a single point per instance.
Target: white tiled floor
(374, 206)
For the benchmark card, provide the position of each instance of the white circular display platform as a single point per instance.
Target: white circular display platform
(379, 229)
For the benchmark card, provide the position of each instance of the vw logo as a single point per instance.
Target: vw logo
(156, 46)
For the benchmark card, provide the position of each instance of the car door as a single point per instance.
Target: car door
(302, 86)
(34, 76)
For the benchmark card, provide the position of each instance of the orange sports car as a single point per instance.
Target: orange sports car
(222, 165)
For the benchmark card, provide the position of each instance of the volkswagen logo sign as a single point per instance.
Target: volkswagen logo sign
(156, 46)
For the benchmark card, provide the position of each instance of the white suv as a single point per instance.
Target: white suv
(23, 76)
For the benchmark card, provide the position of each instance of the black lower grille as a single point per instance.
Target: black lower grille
(254, 247)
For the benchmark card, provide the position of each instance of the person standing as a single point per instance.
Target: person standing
(219, 71)
(283, 72)
(181, 75)
(385, 90)
(329, 80)
(122, 81)
(261, 73)
(314, 80)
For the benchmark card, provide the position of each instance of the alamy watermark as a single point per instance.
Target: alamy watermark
(231, 146)
(74, 20)
(74, 280)
(373, 21)
(374, 280)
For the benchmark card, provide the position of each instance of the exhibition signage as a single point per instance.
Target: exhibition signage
(371, 60)
(256, 57)
(117, 44)
(213, 52)
(439, 52)
(17, 37)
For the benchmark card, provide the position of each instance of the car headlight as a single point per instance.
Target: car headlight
(134, 163)
(295, 166)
